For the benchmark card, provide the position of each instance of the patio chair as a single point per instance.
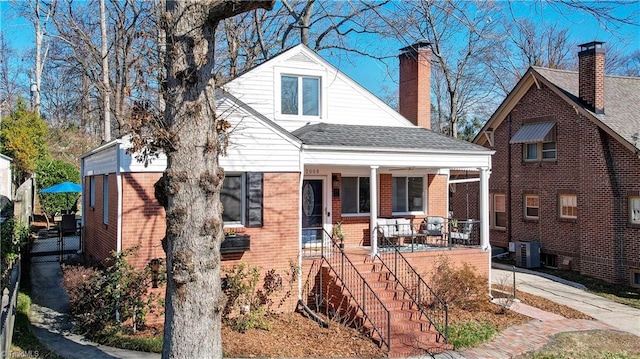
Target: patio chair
(433, 227)
(68, 225)
(463, 235)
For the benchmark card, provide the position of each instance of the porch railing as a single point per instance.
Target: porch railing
(429, 306)
(349, 298)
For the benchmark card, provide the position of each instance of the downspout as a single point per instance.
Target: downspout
(119, 201)
(508, 179)
(300, 180)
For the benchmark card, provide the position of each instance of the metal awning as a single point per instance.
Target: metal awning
(534, 132)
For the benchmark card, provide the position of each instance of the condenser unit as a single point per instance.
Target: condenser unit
(528, 254)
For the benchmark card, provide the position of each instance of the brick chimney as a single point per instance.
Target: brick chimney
(415, 84)
(591, 75)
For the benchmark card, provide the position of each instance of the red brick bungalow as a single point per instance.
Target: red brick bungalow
(309, 148)
(567, 168)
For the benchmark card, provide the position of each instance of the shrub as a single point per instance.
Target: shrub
(13, 235)
(461, 287)
(102, 300)
(49, 173)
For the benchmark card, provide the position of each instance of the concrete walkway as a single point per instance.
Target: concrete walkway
(51, 323)
(50, 319)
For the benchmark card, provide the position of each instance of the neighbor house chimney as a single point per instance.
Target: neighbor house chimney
(591, 75)
(415, 84)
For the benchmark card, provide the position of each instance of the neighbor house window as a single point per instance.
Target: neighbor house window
(92, 191)
(355, 195)
(634, 210)
(408, 194)
(531, 206)
(568, 206)
(300, 95)
(499, 211)
(548, 150)
(105, 199)
(544, 150)
(531, 152)
(231, 197)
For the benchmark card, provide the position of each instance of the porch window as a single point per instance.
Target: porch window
(105, 199)
(499, 211)
(531, 206)
(293, 100)
(355, 195)
(568, 206)
(634, 210)
(408, 194)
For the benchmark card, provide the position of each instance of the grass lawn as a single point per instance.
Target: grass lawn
(595, 344)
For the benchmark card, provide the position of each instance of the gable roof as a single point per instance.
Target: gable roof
(621, 117)
(382, 137)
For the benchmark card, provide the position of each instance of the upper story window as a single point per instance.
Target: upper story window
(634, 210)
(355, 195)
(300, 95)
(538, 139)
(408, 194)
(531, 206)
(568, 206)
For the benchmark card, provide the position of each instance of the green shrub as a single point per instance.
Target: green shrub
(470, 334)
(14, 236)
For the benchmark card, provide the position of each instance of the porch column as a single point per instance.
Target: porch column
(484, 209)
(373, 209)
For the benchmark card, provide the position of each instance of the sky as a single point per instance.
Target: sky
(381, 78)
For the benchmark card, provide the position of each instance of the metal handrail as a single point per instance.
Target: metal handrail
(419, 292)
(367, 303)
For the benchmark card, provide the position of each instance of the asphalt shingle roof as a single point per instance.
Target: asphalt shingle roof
(621, 99)
(324, 134)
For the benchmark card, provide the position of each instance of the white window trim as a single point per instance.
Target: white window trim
(424, 197)
(525, 207)
(288, 71)
(358, 214)
(566, 195)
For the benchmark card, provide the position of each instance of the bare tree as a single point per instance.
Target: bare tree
(10, 89)
(190, 187)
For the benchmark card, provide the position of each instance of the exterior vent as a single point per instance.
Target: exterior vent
(528, 254)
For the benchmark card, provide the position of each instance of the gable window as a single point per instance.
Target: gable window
(92, 191)
(531, 152)
(499, 211)
(634, 210)
(241, 198)
(300, 95)
(531, 206)
(105, 199)
(355, 195)
(407, 194)
(538, 140)
(568, 206)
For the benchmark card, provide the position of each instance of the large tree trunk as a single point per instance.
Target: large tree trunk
(193, 179)
(106, 91)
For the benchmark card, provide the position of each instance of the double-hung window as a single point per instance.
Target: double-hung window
(300, 95)
(634, 210)
(531, 206)
(568, 206)
(499, 211)
(242, 198)
(356, 196)
(408, 194)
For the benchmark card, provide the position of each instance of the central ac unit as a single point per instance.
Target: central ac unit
(528, 254)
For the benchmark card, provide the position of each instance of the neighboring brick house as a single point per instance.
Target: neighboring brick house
(566, 171)
(308, 148)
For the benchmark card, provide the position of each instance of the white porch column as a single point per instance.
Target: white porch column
(484, 209)
(373, 195)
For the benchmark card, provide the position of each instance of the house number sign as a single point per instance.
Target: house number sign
(311, 171)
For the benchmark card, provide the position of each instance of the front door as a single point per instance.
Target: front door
(312, 212)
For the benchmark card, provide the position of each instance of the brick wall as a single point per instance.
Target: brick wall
(600, 242)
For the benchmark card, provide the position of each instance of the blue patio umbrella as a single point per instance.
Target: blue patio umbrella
(64, 187)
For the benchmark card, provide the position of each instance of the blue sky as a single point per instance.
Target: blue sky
(374, 75)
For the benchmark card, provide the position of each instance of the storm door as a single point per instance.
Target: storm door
(312, 213)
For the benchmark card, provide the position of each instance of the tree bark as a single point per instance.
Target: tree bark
(193, 178)
(106, 91)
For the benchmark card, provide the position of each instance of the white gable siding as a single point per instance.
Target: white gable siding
(129, 163)
(101, 162)
(255, 146)
(342, 100)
